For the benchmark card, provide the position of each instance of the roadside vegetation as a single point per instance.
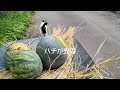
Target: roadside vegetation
(13, 25)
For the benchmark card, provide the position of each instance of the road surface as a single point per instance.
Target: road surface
(95, 27)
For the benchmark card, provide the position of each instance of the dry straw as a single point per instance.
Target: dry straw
(68, 69)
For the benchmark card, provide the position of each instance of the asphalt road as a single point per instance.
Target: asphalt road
(96, 26)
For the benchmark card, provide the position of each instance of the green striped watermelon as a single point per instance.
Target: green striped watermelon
(51, 60)
(26, 65)
(13, 49)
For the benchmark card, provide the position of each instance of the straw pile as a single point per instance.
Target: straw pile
(68, 70)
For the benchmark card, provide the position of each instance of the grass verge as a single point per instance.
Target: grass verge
(13, 25)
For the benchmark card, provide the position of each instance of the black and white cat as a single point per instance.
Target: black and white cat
(43, 28)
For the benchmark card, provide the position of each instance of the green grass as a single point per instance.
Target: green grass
(13, 25)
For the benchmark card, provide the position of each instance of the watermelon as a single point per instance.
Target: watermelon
(18, 46)
(13, 49)
(47, 49)
(26, 65)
